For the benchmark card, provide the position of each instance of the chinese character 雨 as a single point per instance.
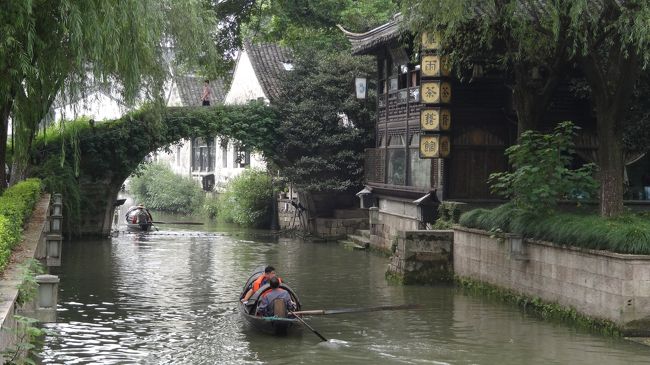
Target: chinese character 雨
(431, 65)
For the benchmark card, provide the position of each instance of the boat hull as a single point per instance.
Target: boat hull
(270, 325)
(134, 227)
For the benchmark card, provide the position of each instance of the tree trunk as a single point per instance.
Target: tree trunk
(611, 163)
(532, 99)
(4, 120)
(20, 166)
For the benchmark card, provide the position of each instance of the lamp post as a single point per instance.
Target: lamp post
(274, 207)
(366, 198)
(427, 207)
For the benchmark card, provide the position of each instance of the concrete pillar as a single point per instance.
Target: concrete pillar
(48, 295)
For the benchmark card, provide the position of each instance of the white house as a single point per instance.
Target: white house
(256, 76)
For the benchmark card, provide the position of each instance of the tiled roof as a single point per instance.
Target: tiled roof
(269, 62)
(366, 43)
(190, 89)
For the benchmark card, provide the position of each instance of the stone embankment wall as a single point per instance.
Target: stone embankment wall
(599, 284)
(423, 257)
(389, 221)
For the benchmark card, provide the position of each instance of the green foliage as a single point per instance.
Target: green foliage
(542, 175)
(308, 26)
(317, 148)
(247, 199)
(28, 288)
(29, 342)
(628, 233)
(448, 215)
(545, 310)
(60, 177)
(66, 47)
(159, 188)
(16, 205)
(211, 206)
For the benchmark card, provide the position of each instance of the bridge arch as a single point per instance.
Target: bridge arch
(111, 151)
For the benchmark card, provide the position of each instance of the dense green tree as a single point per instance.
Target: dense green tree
(310, 25)
(60, 47)
(324, 128)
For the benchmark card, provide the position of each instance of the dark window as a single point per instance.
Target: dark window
(224, 153)
(203, 154)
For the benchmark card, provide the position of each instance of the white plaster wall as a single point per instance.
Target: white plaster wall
(179, 159)
(225, 174)
(245, 86)
(96, 105)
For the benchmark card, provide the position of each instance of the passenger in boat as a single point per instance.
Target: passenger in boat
(143, 216)
(269, 272)
(266, 307)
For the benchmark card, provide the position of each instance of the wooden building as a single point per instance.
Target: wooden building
(424, 111)
(474, 122)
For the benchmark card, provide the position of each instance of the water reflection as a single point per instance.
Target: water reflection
(168, 298)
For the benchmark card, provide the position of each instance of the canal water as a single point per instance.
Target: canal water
(168, 297)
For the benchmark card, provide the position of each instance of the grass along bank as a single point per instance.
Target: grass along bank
(16, 205)
(628, 234)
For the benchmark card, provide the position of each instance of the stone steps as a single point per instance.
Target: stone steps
(364, 233)
(352, 245)
(359, 240)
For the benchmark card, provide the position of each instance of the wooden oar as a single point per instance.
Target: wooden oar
(188, 223)
(324, 312)
(308, 326)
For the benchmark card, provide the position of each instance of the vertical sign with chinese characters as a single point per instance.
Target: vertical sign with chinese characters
(435, 95)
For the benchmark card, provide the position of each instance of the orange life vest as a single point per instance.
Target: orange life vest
(261, 281)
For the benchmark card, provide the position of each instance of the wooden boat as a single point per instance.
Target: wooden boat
(279, 326)
(138, 219)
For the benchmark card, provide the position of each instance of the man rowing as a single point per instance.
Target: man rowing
(269, 272)
(275, 296)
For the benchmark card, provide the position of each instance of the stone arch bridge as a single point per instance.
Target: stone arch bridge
(106, 153)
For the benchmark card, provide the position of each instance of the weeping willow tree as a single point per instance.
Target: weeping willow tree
(61, 48)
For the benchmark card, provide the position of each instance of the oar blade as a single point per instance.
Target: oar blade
(359, 310)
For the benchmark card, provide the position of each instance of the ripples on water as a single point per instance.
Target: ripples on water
(169, 299)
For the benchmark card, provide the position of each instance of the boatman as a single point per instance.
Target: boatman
(266, 307)
(269, 272)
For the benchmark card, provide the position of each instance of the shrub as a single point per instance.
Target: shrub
(211, 206)
(542, 175)
(16, 205)
(629, 233)
(247, 199)
(157, 187)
